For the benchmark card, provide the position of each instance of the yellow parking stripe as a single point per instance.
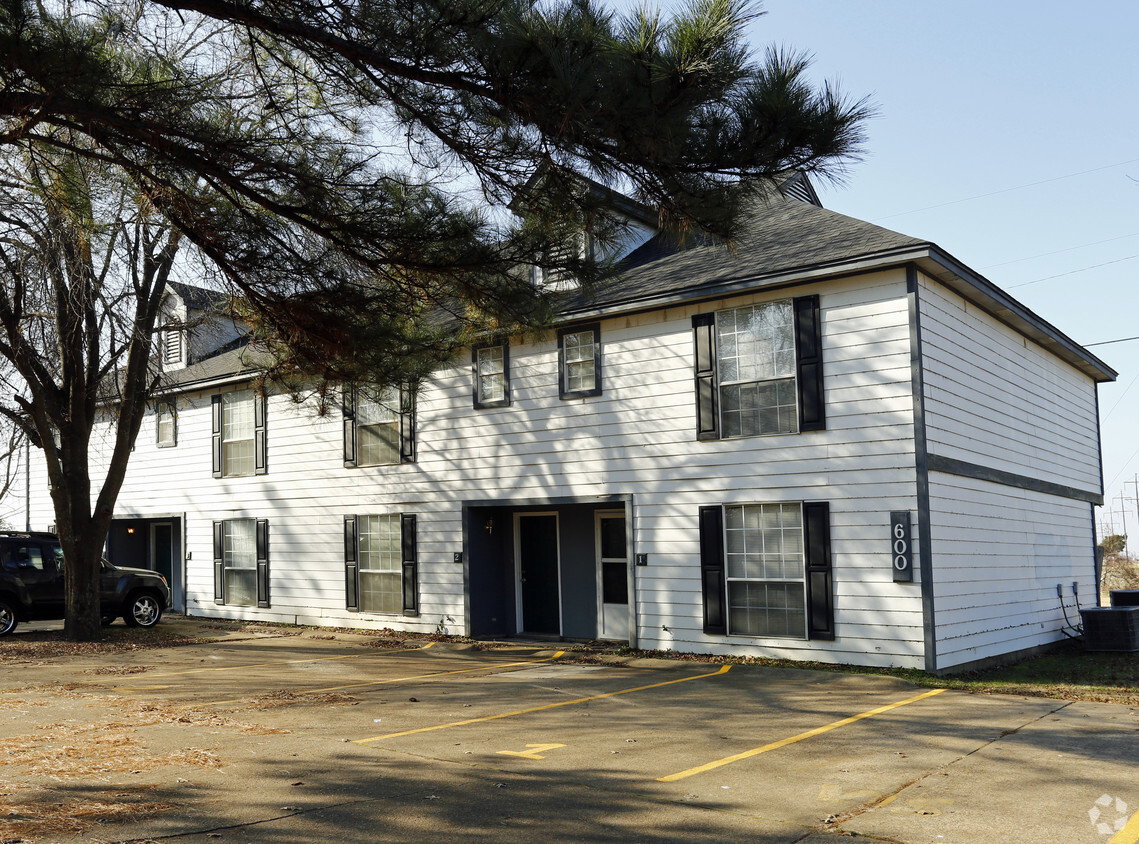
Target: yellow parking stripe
(284, 662)
(1129, 834)
(747, 754)
(398, 679)
(435, 674)
(541, 708)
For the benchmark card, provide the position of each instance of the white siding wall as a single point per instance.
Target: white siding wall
(637, 439)
(999, 553)
(995, 399)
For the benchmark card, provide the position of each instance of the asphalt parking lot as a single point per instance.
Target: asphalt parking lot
(330, 738)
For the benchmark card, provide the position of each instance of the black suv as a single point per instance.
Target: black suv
(31, 585)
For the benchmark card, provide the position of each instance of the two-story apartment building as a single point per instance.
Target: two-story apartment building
(831, 442)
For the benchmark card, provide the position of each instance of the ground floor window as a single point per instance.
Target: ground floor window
(766, 570)
(381, 569)
(240, 562)
(380, 564)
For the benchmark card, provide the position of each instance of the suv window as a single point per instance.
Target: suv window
(23, 555)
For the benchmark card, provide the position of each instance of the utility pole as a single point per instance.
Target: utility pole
(1135, 497)
(1123, 515)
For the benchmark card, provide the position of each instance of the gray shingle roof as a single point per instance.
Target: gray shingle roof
(239, 358)
(197, 298)
(784, 235)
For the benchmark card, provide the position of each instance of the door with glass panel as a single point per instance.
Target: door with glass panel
(612, 576)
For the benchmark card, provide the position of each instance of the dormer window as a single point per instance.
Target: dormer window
(583, 246)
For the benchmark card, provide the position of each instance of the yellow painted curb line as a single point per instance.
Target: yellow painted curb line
(1129, 834)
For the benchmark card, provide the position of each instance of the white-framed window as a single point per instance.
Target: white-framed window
(492, 375)
(381, 565)
(237, 433)
(765, 570)
(239, 544)
(377, 427)
(166, 423)
(755, 354)
(579, 359)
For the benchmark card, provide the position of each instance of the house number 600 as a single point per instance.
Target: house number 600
(901, 552)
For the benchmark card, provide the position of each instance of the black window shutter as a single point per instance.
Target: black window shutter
(215, 408)
(820, 579)
(506, 373)
(475, 372)
(349, 405)
(410, 565)
(219, 562)
(351, 565)
(260, 445)
(263, 562)
(712, 569)
(809, 360)
(704, 369)
(406, 425)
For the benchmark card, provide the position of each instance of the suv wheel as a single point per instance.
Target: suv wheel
(8, 618)
(144, 610)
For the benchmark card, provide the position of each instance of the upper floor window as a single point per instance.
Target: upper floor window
(579, 362)
(166, 424)
(759, 370)
(755, 347)
(379, 427)
(239, 443)
(492, 375)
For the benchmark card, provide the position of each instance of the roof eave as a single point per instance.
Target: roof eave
(929, 257)
(973, 286)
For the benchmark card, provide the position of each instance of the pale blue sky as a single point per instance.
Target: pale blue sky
(1001, 104)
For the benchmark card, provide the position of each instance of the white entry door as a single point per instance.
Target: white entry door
(612, 576)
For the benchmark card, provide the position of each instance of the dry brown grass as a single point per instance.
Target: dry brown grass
(1119, 573)
(58, 751)
(46, 647)
(287, 698)
(99, 749)
(28, 818)
(118, 670)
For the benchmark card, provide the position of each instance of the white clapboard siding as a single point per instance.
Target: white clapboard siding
(995, 398)
(637, 439)
(999, 554)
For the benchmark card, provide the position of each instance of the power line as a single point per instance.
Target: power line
(1109, 342)
(1006, 190)
(1121, 396)
(1060, 251)
(1072, 272)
